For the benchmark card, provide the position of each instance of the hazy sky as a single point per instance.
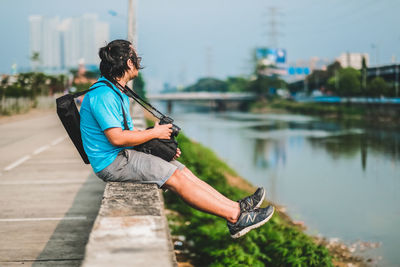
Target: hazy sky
(182, 40)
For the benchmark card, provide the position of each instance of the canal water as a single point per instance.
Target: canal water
(342, 181)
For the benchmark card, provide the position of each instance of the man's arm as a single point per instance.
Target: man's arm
(119, 137)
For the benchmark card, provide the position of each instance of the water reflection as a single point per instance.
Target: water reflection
(385, 143)
(269, 154)
(342, 181)
(336, 139)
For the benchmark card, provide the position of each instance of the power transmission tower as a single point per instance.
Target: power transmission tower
(273, 32)
(132, 31)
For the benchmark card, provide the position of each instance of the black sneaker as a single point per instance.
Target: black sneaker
(252, 202)
(249, 220)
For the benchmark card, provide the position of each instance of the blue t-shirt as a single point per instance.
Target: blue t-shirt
(101, 109)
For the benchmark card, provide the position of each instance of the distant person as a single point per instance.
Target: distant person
(110, 152)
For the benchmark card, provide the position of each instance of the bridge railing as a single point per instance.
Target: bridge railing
(202, 96)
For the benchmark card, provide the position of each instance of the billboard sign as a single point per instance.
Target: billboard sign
(276, 56)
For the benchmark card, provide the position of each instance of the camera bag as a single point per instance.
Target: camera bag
(163, 148)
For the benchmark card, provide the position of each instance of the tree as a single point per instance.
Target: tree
(139, 86)
(333, 68)
(264, 85)
(377, 87)
(323, 78)
(346, 82)
(237, 84)
(349, 83)
(208, 85)
(35, 58)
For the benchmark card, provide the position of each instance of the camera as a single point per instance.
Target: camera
(175, 128)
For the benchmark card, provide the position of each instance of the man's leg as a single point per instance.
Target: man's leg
(201, 197)
(209, 188)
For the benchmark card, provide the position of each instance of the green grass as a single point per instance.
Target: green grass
(277, 243)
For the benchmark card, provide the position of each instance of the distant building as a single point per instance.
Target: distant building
(45, 40)
(64, 44)
(353, 60)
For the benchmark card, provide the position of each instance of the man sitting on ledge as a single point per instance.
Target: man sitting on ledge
(109, 147)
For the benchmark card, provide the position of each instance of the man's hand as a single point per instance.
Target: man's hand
(178, 153)
(162, 131)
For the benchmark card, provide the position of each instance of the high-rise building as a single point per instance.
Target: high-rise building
(45, 42)
(64, 44)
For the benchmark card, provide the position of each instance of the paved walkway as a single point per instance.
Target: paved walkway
(49, 199)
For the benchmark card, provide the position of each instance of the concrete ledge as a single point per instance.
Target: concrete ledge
(131, 229)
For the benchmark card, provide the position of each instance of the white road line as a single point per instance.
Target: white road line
(77, 218)
(41, 149)
(58, 140)
(58, 161)
(37, 151)
(72, 181)
(16, 163)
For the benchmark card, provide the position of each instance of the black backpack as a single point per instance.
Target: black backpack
(70, 118)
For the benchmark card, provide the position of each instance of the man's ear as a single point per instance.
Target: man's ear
(129, 63)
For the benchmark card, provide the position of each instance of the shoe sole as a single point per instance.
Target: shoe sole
(254, 226)
(261, 201)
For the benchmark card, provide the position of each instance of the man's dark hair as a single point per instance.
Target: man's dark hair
(114, 57)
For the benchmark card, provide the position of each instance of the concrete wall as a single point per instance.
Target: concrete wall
(131, 229)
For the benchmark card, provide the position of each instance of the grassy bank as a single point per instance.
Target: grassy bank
(278, 243)
(371, 115)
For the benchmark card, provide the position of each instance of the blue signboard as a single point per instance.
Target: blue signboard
(277, 56)
(298, 71)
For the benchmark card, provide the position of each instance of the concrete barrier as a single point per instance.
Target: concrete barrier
(131, 228)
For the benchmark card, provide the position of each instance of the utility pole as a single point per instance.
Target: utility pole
(209, 61)
(337, 77)
(132, 31)
(364, 75)
(375, 46)
(396, 83)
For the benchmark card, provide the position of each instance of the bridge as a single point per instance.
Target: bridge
(218, 100)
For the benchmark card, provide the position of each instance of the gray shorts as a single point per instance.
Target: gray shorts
(138, 167)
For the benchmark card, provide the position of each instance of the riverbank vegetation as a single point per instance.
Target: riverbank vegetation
(361, 115)
(22, 92)
(277, 243)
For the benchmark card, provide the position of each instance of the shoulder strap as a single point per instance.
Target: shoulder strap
(142, 102)
(109, 85)
(122, 101)
(86, 91)
(129, 92)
